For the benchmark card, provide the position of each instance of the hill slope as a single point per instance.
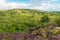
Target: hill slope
(19, 20)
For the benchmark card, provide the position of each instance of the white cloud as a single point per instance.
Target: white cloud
(35, 4)
(49, 5)
(4, 4)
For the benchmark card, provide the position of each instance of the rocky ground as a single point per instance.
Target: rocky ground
(21, 36)
(29, 36)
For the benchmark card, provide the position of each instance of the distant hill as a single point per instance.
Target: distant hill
(30, 11)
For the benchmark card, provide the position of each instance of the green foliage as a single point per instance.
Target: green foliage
(20, 20)
(45, 20)
(56, 31)
(57, 21)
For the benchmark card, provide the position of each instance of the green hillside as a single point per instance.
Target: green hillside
(20, 20)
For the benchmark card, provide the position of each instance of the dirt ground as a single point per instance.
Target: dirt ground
(21, 36)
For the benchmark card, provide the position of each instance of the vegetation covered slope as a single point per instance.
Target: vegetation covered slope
(20, 20)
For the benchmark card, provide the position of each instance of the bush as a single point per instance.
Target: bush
(45, 20)
(57, 21)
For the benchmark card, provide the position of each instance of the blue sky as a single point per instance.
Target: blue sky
(46, 5)
(20, 1)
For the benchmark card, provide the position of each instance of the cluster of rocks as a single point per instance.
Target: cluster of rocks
(21, 36)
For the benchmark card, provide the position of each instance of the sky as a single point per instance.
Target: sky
(46, 5)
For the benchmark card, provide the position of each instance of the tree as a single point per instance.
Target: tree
(44, 20)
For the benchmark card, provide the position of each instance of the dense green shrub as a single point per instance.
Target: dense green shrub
(57, 21)
(45, 20)
(22, 20)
